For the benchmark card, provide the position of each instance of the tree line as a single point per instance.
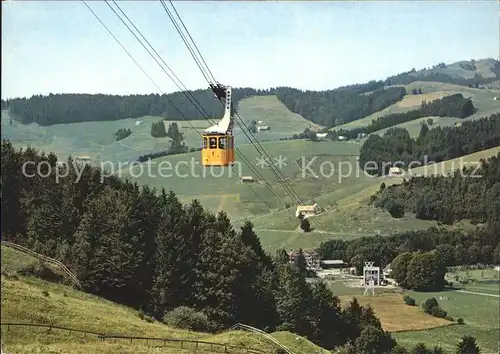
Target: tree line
(471, 193)
(449, 106)
(329, 108)
(451, 248)
(143, 248)
(408, 77)
(426, 253)
(396, 147)
(69, 108)
(335, 107)
(122, 133)
(177, 143)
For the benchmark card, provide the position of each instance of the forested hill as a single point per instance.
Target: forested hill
(145, 249)
(472, 194)
(449, 106)
(329, 108)
(434, 145)
(335, 107)
(70, 108)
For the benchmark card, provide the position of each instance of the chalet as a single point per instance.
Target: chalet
(311, 257)
(262, 128)
(83, 158)
(333, 264)
(395, 171)
(307, 210)
(247, 179)
(321, 136)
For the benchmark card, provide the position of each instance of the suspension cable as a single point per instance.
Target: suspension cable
(280, 177)
(186, 91)
(170, 101)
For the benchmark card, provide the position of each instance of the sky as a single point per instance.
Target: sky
(60, 47)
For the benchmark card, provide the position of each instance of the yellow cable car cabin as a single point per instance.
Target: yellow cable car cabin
(218, 150)
(218, 140)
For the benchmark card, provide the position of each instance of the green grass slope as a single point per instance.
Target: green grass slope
(481, 319)
(347, 214)
(482, 67)
(413, 127)
(483, 100)
(221, 188)
(272, 112)
(96, 139)
(31, 300)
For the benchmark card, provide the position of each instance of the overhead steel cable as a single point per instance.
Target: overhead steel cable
(187, 93)
(192, 40)
(173, 105)
(278, 174)
(243, 129)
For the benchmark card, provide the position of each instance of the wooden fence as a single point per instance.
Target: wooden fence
(45, 259)
(183, 343)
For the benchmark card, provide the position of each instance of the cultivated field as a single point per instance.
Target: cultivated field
(395, 315)
(24, 301)
(410, 325)
(480, 313)
(483, 100)
(413, 127)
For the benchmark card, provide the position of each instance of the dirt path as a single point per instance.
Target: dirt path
(474, 293)
(318, 232)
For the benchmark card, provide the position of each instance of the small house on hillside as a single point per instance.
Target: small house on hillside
(307, 210)
(321, 136)
(395, 171)
(247, 179)
(343, 138)
(262, 128)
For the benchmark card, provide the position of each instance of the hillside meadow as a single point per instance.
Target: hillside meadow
(31, 300)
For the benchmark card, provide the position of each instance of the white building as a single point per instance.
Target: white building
(307, 210)
(395, 171)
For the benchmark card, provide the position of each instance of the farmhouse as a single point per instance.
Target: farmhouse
(247, 179)
(307, 210)
(82, 158)
(311, 257)
(261, 128)
(343, 138)
(395, 171)
(321, 136)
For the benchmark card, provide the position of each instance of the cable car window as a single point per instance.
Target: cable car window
(205, 143)
(213, 143)
(222, 143)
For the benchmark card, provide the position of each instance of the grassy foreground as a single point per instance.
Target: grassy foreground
(31, 300)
